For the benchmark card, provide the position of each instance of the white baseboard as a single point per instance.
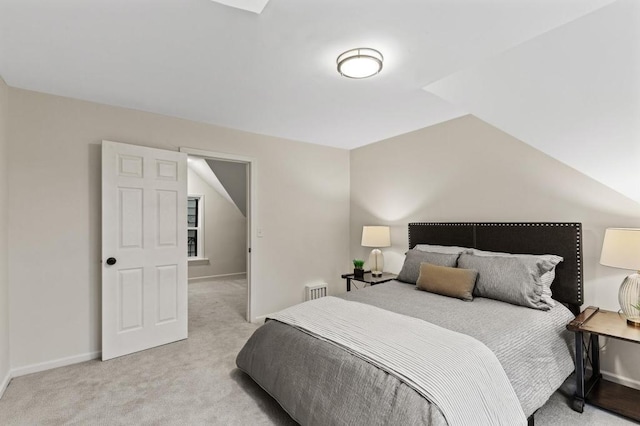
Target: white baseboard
(5, 383)
(260, 319)
(621, 380)
(48, 365)
(213, 277)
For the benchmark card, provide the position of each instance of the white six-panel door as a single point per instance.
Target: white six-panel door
(144, 231)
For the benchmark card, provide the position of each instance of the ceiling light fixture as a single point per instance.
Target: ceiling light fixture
(362, 62)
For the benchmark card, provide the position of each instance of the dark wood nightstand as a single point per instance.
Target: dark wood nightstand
(597, 391)
(369, 279)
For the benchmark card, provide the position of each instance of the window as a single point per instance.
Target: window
(195, 234)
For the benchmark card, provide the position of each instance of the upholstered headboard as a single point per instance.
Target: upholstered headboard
(559, 238)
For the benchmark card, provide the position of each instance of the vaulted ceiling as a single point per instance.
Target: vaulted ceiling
(560, 75)
(573, 93)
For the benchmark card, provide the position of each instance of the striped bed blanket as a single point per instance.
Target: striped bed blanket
(456, 372)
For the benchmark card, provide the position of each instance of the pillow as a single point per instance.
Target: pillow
(431, 248)
(515, 280)
(452, 282)
(411, 268)
(547, 279)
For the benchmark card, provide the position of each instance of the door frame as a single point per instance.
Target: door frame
(252, 201)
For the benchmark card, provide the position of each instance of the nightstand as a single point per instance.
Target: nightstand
(368, 279)
(597, 391)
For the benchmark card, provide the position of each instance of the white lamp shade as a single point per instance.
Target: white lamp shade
(621, 248)
(376, 236)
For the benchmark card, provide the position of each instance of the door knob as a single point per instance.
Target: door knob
(111, 261)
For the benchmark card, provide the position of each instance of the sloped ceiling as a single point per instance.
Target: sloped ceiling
(233, 177)
(202, 169)
(229, 179)
(573, 93)
(560, 75)
(255, 6)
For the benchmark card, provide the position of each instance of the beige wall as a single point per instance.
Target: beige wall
(225, 233)
(460, 170)
(467, 170)
(4, 276)
(54, 216)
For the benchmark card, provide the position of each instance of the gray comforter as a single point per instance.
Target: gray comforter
(319, 383)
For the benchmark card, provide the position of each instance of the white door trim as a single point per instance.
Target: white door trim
(252, 164)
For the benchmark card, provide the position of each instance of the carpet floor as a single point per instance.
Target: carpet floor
(191, 382)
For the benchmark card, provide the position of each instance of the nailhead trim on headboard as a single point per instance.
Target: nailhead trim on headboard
(574, 246)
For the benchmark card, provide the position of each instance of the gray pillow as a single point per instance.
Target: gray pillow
(515, 280)
(432, 248)
(546, 279)
(411, 268)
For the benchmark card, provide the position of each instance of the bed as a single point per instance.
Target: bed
(322, 381)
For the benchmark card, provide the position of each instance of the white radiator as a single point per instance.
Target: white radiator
(315, 291)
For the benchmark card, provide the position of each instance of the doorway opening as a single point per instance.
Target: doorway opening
(220, 219)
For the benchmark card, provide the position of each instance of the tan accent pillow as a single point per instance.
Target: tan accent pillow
(452, 282)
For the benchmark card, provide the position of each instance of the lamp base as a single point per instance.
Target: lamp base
(376, 262)
(633, 323)
(629, 299)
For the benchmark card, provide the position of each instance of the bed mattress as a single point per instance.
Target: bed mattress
(320, 383)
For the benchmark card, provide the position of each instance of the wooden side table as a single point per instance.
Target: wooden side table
(595, 390)
(369, 279)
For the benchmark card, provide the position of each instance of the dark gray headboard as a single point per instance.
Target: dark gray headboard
(560, 238)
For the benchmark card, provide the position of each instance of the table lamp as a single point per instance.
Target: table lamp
(377, 237)
(621, 249)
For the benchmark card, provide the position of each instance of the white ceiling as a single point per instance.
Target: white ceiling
(255, 6)
(573, 93)
(560, 75)
(271, 73)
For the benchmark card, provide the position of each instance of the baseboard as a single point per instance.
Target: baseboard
(260, 319)
(5, 383)
(48, 365)
(213, 277)
(621, 380)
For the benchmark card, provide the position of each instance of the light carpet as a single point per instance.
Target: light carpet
(192, 382)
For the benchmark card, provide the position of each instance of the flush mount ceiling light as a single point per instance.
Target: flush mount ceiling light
(360, 63)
